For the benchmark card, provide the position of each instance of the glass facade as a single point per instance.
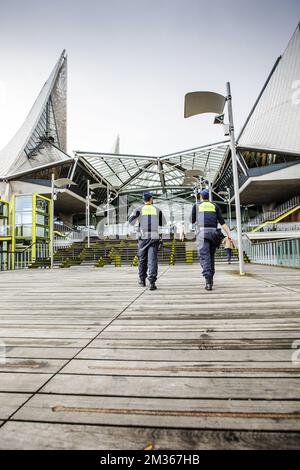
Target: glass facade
(32, 221)
(166, 174)
(254, 163)
(22, 218)
(41, 217)
(4, 254)
(254, 159)
(4, 219)
(80, 178)
(275, 253)
(5, 234)
(59, 171)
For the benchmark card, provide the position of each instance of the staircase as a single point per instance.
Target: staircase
(273, 217)
(40, 263)
(190, 255)
(70, 256)
(124, 253)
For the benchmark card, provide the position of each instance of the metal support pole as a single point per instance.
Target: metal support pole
(88, 212)
(172, 224)
(52, 222)
(74, 168)
(229, 207)
(235, 180)
(107, 195)
(209, 184)
(195, 193)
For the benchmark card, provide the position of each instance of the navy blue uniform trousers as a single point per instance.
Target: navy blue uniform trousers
(147, 254)
(206, 250)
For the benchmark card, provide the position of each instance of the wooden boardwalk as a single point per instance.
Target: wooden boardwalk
(96, 362)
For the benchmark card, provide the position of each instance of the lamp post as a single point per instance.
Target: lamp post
(57, 186)
(235, 179)
(200, 102)
(52, 221)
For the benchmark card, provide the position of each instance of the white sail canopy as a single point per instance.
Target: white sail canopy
(44, 125)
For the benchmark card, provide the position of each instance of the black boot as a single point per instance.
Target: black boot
(142, 283)
(153, 286)
(208, 283)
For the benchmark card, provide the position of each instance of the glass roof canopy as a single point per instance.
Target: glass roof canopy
(129, 174)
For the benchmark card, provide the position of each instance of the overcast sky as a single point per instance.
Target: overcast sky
(132, 61)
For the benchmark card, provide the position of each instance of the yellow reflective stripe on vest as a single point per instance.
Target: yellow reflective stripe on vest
(148, 209)
(207, 207)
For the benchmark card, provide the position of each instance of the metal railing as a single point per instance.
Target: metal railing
(21, 259)
(62, 228)
(275, 252)
(65, 235)
(281, 227)
(271, 215)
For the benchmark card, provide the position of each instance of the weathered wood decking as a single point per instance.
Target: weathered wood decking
(95, 362)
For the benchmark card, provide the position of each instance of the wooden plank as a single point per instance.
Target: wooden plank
(47, 436)
(88, 315)
(22, 382)
(192, 294)
(192, 387)
(204, 325)
(32, 365)
(214, 301)
(86, 294)
(176, 413)
(36, 332)
(216, 335)
(40, 309)
(45, 342)
(50, 323)
(90, 301)
(172, 309)
(183, 344)
(40, 353)
(194, 315)
(186, 355)
(182, 369)
(290, 306)
(10, 402)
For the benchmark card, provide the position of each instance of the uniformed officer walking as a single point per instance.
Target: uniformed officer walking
(150, 218)
(206, 215)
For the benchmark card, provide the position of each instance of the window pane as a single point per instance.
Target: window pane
(42, 219)
(23, 231)
(23, 203)
(3, 209)
(42, 205)
(42, 232)
(23, 218)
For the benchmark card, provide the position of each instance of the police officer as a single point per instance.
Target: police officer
(206, 216)
(150, 218)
